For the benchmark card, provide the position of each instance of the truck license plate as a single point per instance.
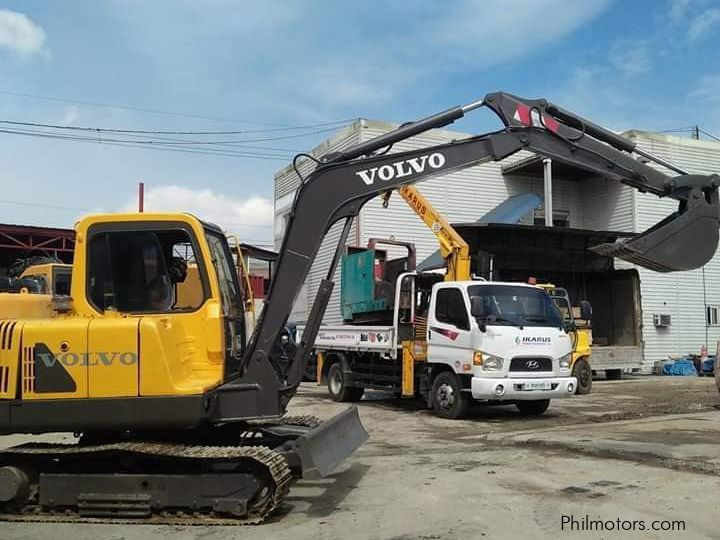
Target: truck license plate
(536, 386)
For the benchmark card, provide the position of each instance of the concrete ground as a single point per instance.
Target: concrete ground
(636, 450)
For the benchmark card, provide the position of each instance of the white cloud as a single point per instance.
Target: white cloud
(70, 115)
(493, 31)
(19, 34)
(250, 218)
(678, 9)
(702, 24)
(631, 56)
(349, 84)
(707, 89)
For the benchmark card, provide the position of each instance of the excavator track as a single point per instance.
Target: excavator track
(306, 420)
(257, 458)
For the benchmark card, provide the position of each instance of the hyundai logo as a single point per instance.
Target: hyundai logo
(532, 364)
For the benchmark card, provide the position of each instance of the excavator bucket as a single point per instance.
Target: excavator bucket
(685, 240)
(322, 449)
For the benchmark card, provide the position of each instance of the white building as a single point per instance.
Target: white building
(692, 299)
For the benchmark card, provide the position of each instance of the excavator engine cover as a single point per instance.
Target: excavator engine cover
(685, 240)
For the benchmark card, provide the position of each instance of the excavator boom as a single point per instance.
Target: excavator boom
(343, 182)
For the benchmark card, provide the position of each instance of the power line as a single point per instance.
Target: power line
(140, 109)
(99, 131)
(155, 146)
(709, 134)
(166, 132)
(284, 152)
(75, 209)
(39, 205)
(694, 130)
(221, 148)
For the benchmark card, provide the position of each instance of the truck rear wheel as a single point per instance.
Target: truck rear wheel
(533, 408)
(582, 372)
(338, 387)
(613, 374)
(448, 399)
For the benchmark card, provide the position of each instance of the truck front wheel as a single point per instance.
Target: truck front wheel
(448, 399)
(338, 387)
(582, 372)
(533, 408)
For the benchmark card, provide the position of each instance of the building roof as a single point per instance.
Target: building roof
(20, 241)
(533, 166)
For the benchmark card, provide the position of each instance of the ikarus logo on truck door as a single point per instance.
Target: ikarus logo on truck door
(401, 169)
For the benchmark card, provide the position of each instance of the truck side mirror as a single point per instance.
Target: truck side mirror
(477, 309)
(585, 310)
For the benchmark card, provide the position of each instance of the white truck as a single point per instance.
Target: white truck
(452, 342)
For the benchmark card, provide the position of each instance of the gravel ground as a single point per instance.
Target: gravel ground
(421, 477)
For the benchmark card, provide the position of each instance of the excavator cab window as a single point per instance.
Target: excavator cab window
(140, 271)
(61, 281)
(231, 299)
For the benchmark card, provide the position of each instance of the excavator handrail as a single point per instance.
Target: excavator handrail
(343, 182)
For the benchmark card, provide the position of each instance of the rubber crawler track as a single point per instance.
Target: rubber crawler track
(273, 462)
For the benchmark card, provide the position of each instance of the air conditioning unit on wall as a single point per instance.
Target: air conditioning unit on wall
(661, 320)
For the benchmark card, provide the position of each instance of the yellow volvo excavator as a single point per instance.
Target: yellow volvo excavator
(179, 417)
(29, 293)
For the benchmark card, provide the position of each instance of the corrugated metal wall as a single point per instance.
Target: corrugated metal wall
(286, 183)
(680, 294)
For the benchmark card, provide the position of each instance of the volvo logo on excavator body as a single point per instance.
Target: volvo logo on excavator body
(401, 169)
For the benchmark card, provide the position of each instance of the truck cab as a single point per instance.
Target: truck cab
(502, 341)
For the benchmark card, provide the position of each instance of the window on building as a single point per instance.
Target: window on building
(561, 218)
(450, 308)
(711, 315)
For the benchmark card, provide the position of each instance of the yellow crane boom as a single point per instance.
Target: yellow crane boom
(452, 246)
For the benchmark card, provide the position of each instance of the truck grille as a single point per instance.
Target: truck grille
(530, 363)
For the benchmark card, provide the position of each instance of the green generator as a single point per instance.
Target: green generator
(367, 281)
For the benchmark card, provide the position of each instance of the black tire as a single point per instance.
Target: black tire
(613, 374)
(582, 372)
(533, 408)
(337, 385)
(448, 399)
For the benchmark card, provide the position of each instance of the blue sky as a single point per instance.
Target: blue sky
(244, 65)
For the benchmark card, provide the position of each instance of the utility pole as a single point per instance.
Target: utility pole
(141, 196)
(548, 204)
(696, 133)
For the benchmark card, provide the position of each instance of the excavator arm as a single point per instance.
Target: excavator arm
(343, 182)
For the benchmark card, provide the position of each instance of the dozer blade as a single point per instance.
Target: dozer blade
(682, 241)
(323, 448)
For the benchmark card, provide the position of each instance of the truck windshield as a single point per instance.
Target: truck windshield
(513, 305)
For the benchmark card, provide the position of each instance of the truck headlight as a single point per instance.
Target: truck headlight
(492, 363)
(565, 361)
